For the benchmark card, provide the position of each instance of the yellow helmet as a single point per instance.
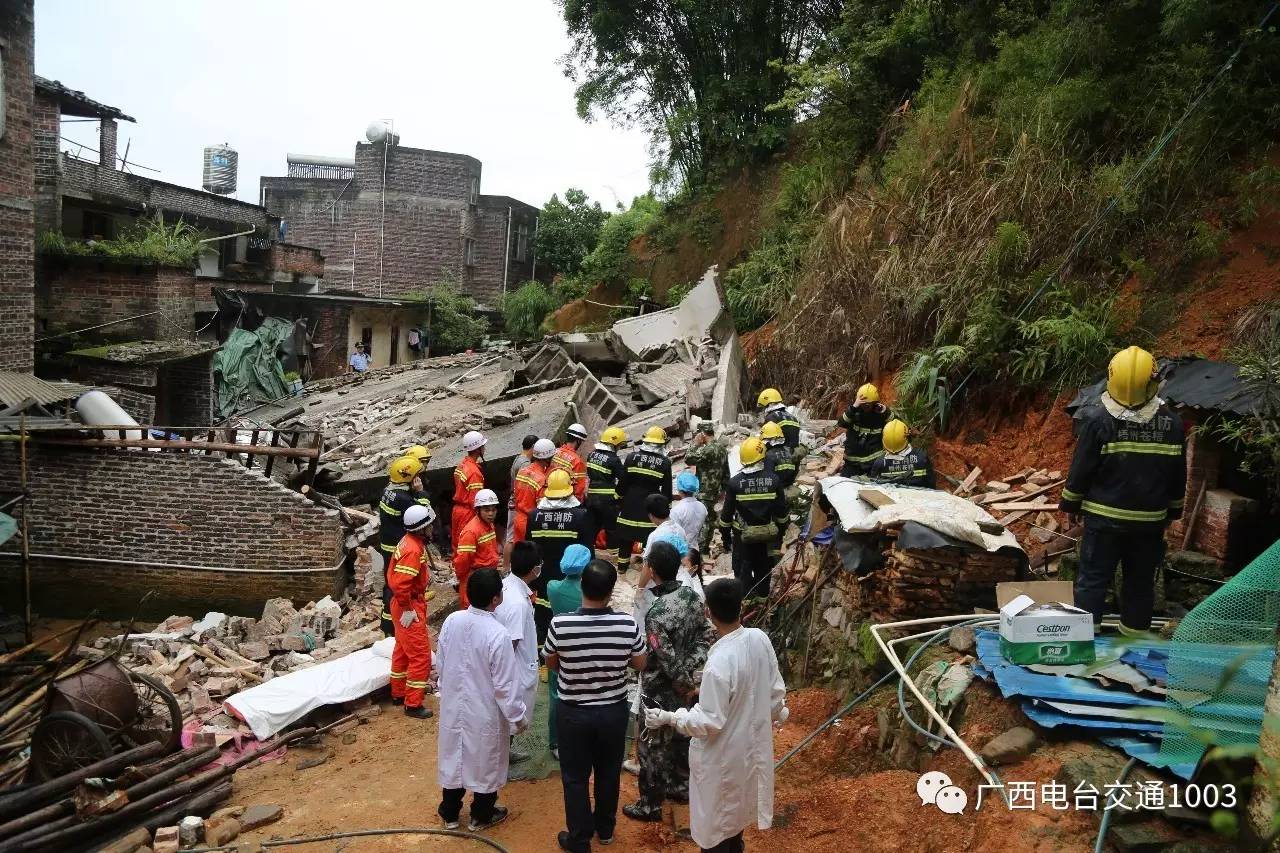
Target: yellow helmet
(751, 451)
(613, 436)
(404, 469)
(868, 393)
(558, 484)
(771, 431)
(894, 436)
(1131, 378)
(655, 435)
(769, 396)
(420, 452)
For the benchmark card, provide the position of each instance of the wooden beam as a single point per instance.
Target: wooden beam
(1026, 506)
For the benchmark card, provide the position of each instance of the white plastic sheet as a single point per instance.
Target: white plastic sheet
(948, 514)
(269, 707)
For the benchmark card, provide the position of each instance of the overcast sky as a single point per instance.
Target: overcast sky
(481, 77)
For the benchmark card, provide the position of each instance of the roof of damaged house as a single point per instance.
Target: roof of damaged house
(18, 388)
(147, 352)
(73, 102)
(1193, 383)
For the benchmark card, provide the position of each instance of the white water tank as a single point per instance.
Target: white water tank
(98, 409)
(380, 131)
(220, 166)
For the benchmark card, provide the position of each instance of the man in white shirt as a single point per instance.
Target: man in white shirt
(740, 699)
(481, 704)
(516, 615)
(359, 361)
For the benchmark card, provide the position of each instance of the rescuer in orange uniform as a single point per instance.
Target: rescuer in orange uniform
(408, 575)
(478, 545)
(530, 484)
(468, 478)
(569, 459)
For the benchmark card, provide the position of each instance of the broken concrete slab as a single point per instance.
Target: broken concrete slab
(683, 325)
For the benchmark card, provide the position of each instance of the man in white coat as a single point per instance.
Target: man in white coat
(516, 615)
(731, 757)
(481, 704)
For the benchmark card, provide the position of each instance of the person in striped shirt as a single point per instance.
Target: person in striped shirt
(590, 650)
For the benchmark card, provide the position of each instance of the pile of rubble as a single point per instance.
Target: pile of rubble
(203, 662)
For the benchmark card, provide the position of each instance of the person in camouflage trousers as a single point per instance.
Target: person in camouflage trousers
(678, 637)
(711, 461)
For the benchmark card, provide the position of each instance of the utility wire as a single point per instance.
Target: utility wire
(1093, 226)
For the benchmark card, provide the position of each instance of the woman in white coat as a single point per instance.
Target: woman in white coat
(731, 757)
(481, 705)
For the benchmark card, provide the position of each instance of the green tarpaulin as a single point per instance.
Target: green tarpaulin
(247, 368)
(8, 527)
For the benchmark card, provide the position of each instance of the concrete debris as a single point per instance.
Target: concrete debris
(166, 840)
(190, 831)
(256, 817)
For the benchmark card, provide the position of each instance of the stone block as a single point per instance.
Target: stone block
(255, 651)
(221, 831)
(255, 817)
(1011, 746)
(190, 830)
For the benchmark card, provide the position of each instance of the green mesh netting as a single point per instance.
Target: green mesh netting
(1220, 664)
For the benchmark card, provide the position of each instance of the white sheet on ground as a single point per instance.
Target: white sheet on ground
(954, 516)
(272, 705)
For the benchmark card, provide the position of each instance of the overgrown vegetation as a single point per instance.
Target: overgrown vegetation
(1257, 351)
(451, 318)
(524, 309)
(146, 241)
(940, 206)
(568, 231)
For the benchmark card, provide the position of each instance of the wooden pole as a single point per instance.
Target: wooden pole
(27, 798)
(26, 522)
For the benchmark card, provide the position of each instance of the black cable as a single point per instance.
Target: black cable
(364, 833)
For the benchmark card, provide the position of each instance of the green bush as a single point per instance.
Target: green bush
(146, 241)
(451, 320)
(610, 262)
(525, 309)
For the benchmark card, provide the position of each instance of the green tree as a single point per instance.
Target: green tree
(524, 309)
(451, 320)
(568, 231)
(698, 75)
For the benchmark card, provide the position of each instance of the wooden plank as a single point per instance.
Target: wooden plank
(1026, 506)
(271, 460)
(1191, 520)
(208, 446)
(875, 497)
(253, 441)
(1012, 517)
(966, 485)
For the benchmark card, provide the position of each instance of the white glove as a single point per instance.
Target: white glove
(656, 718)
(408, 617)
(783, 716)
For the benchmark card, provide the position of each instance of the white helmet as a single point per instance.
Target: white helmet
(419, 517)
(486, 497)
(544, 448)
(473, 441)
(577, 431)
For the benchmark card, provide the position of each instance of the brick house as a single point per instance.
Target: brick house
(17, 184)
(166, 383)
(394, 220)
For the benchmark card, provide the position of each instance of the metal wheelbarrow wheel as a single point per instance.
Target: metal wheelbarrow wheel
(65, 741)
(159, 717)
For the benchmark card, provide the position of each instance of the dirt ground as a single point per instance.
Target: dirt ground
(839, 791)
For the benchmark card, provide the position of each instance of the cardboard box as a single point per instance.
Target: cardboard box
(1040, 624)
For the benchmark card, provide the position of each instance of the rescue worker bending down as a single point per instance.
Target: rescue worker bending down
(408, 577)
(863, 424)
(753, 517)
(478, 544)
(646, 471)
(902, 464)
(397, 497)
(558, 522)
(770, 400)
(778, 458)
(569, 458)
(468, 478)
(529, 484)
(1127, 478)
(604, 473)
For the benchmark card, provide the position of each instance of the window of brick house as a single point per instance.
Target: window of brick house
(522, 243)
(474, 195)
(366, 336)
(468, 252)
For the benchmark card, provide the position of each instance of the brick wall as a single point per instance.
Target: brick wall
(188, 387)
(139, 404)
(320, 213)
(493, 248)
(17, 187)
(46, 126)
(302, 260)
(107, 133)
(171, 508)
(329, 338)
(75, 293)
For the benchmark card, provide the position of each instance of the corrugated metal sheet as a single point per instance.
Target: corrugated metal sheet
(1195, 383)
(17, 387)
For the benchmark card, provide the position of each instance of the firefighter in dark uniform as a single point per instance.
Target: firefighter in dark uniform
(558, 522)
(901, 464)
(397, 497)
(647, 471)
(604, 473)
(863, 424)
(770, 400)
(777, 458)
(753, 516)
(1127, 479)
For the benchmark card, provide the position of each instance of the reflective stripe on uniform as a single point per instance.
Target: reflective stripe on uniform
(762, 496)
(533, 484)
(472, 487)
(399, 675)
(646, 525)
(610, 492)
(403, 571)
(1178, 504)
(390, 549)
(870, 458)
(388, 509)
(554, 534)
(594, 467)
(1124, 514)
(648, 472)
(1068, 495)
(488, 537)
(466, 549)
(1142, 447)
